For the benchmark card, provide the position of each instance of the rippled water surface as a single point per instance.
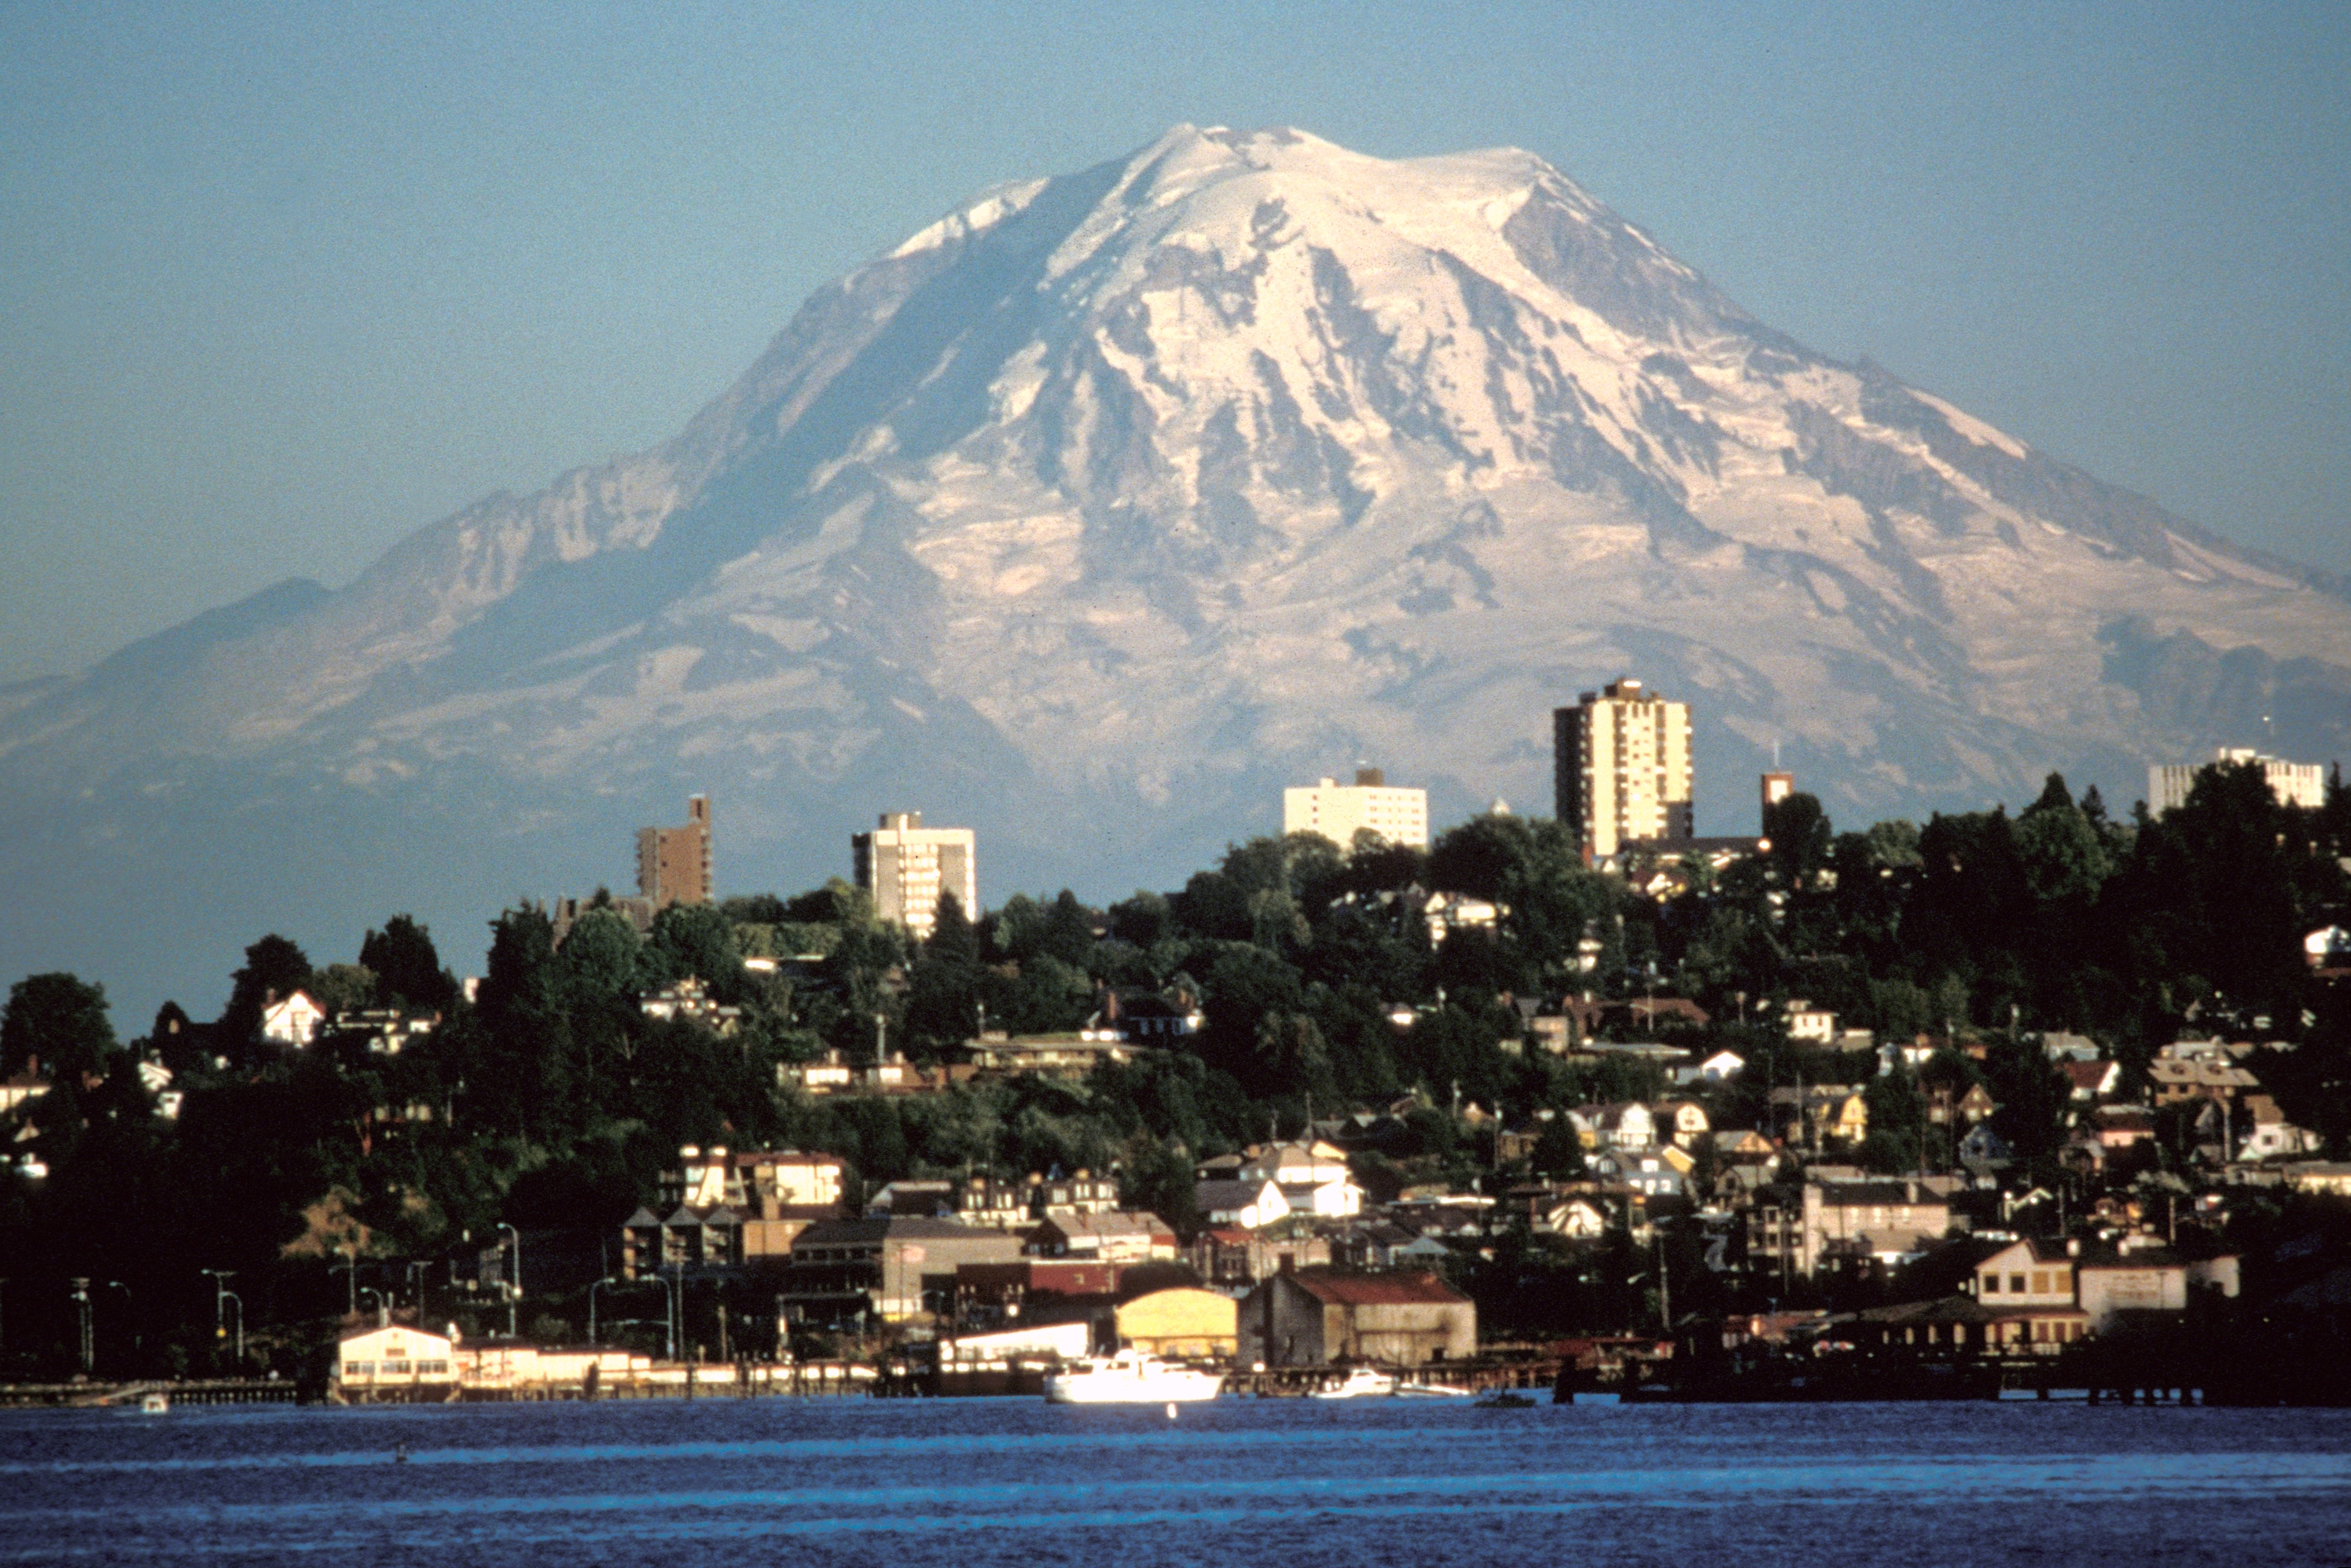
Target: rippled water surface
(965, 1482)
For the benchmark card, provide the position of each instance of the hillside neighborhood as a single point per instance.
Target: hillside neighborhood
(2012, 1097)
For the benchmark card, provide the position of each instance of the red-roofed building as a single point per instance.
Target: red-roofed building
(2092, 1080)
(1315, 1317)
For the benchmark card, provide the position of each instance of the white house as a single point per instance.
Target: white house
(1807, 1022)
(293, 1020)
(1627, 1125)
(1250, 1204)
(1720, 1068)
(1313, 1178)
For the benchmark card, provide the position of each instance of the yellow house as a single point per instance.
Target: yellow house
(1181, 1323)
(1844, 1116)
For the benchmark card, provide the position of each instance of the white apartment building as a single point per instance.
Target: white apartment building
(906, 866)
(1338, 811)
(1621, 767)
(2293, 783)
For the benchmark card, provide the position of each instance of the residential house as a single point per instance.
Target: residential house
(2088, 1082)
(1650, 1174)
(1844, 1222)
(1116, 1236)
(893, 1268)
(1446, 913)
(2268, 1135)
(690, 1000)
(383, 1032)
(829, 1076)
(1982, 1151)
(292, 1019)
(1720, 1068)
(721, 1209)
(1552, 1210)
(1147, 1017)
(1070, 1054)
(1682, 1122)
(1624, 1125)
(1808, 1025)
(1246, 1204)
(1313, 1176)
(2174, 1079)
(1232, 1258)
(2122, 1126)
(1315, 1317)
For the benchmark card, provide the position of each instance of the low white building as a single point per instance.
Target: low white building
(1034, 1341)
(394, 1356)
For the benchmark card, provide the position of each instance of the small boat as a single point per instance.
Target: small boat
(1361, 1382)
(1130, 1377)
(154, 1402)
(1433, 1391)
(1505, 1399)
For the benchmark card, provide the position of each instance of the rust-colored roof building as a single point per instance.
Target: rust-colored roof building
(1315, 1316)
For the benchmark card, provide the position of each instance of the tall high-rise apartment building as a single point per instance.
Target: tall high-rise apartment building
(1621, 767)
(1336, 810)
(906, 866)
(674, 863)
(2293, 783)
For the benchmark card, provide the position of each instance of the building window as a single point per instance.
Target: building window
(2040, 1282)
(1991, 1285)
(2016, 1284)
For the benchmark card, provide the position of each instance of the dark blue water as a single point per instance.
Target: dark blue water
(967, 1483)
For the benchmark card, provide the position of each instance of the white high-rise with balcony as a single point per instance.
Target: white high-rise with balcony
(1337, 811)
(1621, 767)
(2293, 783)
(907, 867)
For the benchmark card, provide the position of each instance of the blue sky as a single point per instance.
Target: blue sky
(280, 285)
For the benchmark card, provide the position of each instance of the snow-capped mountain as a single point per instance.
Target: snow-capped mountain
(1105, 505)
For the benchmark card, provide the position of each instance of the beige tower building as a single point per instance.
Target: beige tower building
(906, 866)
(674, 863)
(1621, 767)
(1337, 811)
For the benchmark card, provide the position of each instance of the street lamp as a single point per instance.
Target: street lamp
(513, 1281)
(238, 1301)
(220, 1295)
(81, 1300)
(592, 1289)
(383, 1305)
(351, 1273)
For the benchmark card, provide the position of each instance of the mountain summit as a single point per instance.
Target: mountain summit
(1108, 503)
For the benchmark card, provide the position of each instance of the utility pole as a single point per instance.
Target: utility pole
(514, 1282)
